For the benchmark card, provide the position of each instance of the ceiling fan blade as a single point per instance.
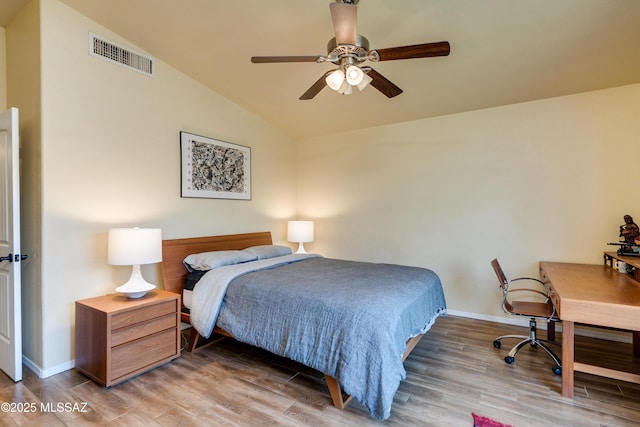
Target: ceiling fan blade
(316, 87)
(384, 85)
(424, 50)
(344, 17)
(274, 59)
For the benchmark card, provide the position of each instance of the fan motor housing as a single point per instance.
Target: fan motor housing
(358, 52)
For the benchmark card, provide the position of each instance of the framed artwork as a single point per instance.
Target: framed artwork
(214, 169)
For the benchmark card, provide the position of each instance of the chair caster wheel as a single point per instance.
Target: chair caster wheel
(509, 359)
(497, 344)
(557, 370)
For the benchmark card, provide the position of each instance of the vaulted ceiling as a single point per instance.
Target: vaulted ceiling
(502, 52)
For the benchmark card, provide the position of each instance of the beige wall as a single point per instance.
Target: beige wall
(546, 180)
(110, 157)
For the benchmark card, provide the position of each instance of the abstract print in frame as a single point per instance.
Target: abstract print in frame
(214, 169)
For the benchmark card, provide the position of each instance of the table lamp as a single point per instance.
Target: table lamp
(300, 232)
(135, 246)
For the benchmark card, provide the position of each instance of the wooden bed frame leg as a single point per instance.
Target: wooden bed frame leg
(194, 336)
(340, 399)
(194, 339)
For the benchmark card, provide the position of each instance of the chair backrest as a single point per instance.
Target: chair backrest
(504, 285)
(502, 278)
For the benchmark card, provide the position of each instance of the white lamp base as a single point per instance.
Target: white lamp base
(136, 287)
(301, 248)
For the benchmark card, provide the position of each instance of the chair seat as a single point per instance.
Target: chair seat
(531, 309)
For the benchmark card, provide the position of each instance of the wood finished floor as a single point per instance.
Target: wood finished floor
(454, 371)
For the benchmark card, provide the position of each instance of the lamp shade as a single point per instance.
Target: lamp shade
(300, 231)
(335, 79)
(366, 79)
(354, 75)
(131, 246)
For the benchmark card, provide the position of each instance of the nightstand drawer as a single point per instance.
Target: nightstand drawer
(132, 317)
(139, 330)
(139, 354)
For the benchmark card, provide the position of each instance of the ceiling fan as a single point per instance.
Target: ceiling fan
(348, 50)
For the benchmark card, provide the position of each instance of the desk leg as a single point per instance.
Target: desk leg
(568, 353)
(551, 331)
(636, 344)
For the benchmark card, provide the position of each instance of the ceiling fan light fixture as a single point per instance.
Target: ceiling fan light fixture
(366, 79)
(345, 89)
(354, 75)
(348, 50)
(335, 80)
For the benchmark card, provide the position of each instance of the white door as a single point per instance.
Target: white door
(10, 310)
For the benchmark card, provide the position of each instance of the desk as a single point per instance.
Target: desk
(594, 295)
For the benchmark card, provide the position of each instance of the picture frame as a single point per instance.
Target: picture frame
(214, 169)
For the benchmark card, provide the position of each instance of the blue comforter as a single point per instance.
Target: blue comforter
(350, 320)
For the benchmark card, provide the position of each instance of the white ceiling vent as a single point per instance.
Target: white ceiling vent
(104, 49)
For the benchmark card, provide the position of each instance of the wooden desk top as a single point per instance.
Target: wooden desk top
(593, 294)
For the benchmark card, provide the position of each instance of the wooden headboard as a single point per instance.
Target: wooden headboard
(174, 251)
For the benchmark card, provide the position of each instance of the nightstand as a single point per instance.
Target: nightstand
(118, 338)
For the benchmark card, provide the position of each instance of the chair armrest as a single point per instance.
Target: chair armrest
(535, 291)
(533, 279)
(527, 278)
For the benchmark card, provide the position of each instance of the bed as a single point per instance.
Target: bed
(355, 322)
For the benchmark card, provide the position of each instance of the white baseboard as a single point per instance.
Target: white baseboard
(44, 373)
(582, 330)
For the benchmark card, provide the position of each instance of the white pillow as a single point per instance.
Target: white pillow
(268, 251)
(209, 260)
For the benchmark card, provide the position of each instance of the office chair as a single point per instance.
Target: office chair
(533, 310)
